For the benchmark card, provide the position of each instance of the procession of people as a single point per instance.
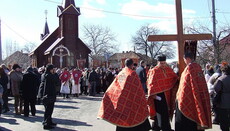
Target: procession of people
(132, 96)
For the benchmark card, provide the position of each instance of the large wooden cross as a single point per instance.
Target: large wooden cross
(180, 37)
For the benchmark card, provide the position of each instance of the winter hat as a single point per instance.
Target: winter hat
(161, 58)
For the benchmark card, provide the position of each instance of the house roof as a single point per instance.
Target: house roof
(84, 45)
(225, 40)
(18, 57)
(119, 56)
(57, 42)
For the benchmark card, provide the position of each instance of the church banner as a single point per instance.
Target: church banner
(81, 63)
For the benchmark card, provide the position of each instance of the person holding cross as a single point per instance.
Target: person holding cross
(193, 110)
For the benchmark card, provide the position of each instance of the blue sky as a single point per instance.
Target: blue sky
(27, 17)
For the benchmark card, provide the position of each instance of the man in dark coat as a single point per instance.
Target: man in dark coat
(30, 83)
(93, 77)
(142, 75)
(47, 92)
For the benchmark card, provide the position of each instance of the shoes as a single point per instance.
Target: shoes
(47, 127)
(6, 110)
(17, 113)
(53, 124)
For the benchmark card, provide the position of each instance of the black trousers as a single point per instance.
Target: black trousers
(0, 108)
(224, 115)
(49, 107)
(161, 121)
(31, 103)
(5, 99)
(142, 127)
(182, 123)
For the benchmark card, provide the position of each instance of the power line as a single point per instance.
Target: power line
(223, 12)
(53, 1)
(134, 15)
(16, 32)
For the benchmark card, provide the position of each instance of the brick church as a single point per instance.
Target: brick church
(63, 47)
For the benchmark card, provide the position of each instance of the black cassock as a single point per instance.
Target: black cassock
(145, 126)
(161, 120)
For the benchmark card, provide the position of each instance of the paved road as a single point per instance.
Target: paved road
(74, 114)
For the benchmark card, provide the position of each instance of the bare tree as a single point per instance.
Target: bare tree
(29, 47)
(208, 52)
(140, 41)
(101, 40)
(10, 48)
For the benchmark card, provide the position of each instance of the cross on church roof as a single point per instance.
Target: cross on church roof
(46, 12)
(180, 37)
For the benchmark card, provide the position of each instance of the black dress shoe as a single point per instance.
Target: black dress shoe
(53, 124)
(48, 127)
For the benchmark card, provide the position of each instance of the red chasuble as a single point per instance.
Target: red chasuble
(76, 75)
(124, 103)
(64, 76)
(193, 97)
(161, 80)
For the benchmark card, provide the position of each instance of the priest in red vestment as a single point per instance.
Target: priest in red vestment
(193, 111)
(162, 88)
(75, 79)
(124, 103)
(65, 77)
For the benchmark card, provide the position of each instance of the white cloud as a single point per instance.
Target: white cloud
(89, 11)
(102, 2)
(159, 11)
(165, 26)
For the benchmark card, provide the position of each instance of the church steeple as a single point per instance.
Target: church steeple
(46, 28)
(66, 3)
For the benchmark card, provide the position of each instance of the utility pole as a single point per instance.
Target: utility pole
(0, 42)
(215, 43)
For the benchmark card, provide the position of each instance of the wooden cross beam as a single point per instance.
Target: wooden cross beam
(180, 37)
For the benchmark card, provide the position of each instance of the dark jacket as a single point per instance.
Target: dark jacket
(93, 76)
(29, 85)
(222, 86)
(4, 81)
(109, 77)
(47, 88)
(142, 74)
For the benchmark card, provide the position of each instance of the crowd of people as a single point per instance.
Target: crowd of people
(42, 85)
(132, 95)
(192, 98)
